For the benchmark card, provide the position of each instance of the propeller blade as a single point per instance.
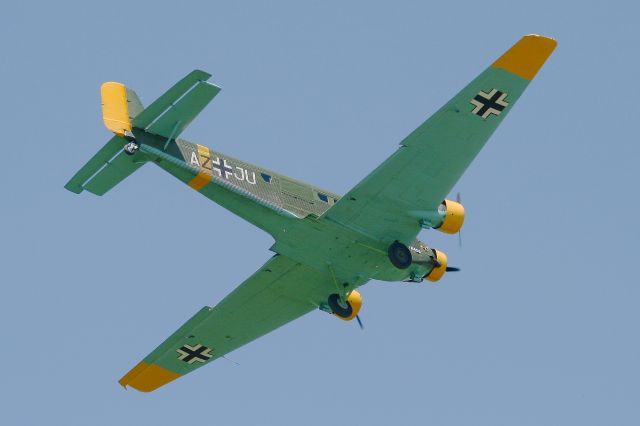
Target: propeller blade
(452, 269)
(359, 322)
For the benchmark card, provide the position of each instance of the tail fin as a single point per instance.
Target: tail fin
(111, 165)
(120, 105)
(124, 115)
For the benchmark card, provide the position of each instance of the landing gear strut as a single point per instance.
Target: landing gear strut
(399, 255)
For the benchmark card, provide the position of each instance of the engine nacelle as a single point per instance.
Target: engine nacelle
(352, 308)
(448, 218)
(440, 267)
(452, 214)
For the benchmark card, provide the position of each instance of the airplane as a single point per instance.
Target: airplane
(326, 245)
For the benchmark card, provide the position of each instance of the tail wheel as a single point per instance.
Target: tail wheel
(399, 255)
(131, 148)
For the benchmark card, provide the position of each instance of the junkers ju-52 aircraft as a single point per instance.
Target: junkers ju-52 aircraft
(326, 245)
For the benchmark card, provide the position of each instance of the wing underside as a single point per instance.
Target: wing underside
(390, 201)
(279, 292)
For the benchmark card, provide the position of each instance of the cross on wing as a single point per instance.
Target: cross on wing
(489, 103)
(191, 354)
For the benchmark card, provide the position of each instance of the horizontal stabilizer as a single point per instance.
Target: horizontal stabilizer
(179, 116)
(153, 111)
(110, 166)
(114, 172)
(96, 162)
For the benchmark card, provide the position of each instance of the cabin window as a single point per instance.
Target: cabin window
(266, 177)
(323, 197)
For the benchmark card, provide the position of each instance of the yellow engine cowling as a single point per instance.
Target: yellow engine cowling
(438, 271)
(355, 303)
(453, 217)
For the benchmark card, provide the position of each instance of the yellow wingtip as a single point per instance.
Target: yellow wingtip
(526, 57)
(147, 377)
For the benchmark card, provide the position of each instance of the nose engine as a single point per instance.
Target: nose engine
(439, 268)
(402, 257)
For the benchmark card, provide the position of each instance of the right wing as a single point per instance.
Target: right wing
(389, 203)
(279, 292)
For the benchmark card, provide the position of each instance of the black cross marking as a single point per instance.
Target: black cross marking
(191, 354)
(222, 166)
(486, 104)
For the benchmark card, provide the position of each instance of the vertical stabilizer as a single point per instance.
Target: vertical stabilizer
(115, 108)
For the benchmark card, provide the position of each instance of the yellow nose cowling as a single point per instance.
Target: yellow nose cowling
(438, 271)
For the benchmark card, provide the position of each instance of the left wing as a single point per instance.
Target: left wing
(279, 292)
(389, 203)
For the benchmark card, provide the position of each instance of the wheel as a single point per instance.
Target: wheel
(399, 255)
(131, 148)
(338, 308)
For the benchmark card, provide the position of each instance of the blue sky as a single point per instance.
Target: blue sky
(539, 328)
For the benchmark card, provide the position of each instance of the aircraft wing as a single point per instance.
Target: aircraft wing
(388, 203)
(280, 291)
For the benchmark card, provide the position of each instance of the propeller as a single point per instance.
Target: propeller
(359, 322)
(459, 201)
(448, 268)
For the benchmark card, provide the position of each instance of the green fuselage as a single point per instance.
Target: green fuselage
(289, 210)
